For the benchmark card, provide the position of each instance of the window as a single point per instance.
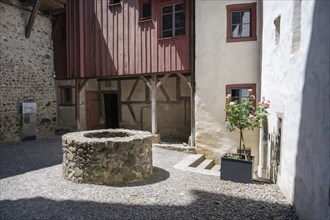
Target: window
(277, 23)
(66, 96)
(241, 22)
(114, 2)
(173, 20)
(145, 10)
(240, 92)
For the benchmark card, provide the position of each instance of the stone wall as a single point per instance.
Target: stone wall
(107, 157)
(26, 72)
(295, 77)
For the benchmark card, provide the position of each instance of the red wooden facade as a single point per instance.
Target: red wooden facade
(111, 41)
(59, 44)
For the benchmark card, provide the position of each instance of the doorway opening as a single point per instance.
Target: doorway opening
(111, 110)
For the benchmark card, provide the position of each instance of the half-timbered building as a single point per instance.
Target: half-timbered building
(125, 64)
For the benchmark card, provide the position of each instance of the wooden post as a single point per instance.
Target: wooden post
(153, 105)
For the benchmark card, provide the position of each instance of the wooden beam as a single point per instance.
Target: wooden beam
(146, 81)
(27, 3)
(132, 90)
(60, 11)
(184, 79)
(82, 85)
(32, 18)
(163, 79)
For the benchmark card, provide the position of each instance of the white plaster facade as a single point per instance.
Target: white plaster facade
(295, 77)
(218, 64)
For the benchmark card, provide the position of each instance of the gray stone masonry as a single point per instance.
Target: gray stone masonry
(26, 72)
(107, 157)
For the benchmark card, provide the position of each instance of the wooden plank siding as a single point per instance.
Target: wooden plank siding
(110, 41)
(59, 45)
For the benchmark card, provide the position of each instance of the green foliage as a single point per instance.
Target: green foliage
(245, 115)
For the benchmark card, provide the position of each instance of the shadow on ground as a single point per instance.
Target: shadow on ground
(205, 206)
(158, 175)
(19, 158)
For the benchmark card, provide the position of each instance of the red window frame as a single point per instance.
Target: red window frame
(164, 3)
(141, 18)
(252, 86)
(252, 7)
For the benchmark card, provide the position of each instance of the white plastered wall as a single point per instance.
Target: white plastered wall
(218, 64)
(297, 83)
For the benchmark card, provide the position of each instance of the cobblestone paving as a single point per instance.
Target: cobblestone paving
(32, 187)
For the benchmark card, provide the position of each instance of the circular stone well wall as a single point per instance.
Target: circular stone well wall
(108, 157)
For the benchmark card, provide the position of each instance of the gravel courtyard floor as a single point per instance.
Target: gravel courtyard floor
(32, 187)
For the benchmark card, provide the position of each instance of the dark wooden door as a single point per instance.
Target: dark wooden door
(111, 110)
(92, 110)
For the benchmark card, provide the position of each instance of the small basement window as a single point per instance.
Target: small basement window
(173, 20)
(66, 96)
(240, 92)
(145, 10)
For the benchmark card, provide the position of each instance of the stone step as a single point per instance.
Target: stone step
(216, 167)
(197, 161)
(190, 160)
(206, 164)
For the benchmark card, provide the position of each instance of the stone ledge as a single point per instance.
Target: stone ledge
(176, 147)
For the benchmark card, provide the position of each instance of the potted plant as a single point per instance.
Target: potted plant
(242, 116)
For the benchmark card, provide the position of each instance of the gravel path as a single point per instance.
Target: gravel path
(32, 188)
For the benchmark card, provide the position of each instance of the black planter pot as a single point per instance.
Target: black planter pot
(236, 170)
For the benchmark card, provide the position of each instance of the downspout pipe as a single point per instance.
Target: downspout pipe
(192, 61)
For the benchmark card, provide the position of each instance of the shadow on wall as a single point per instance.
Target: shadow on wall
(311, 195)
(206, 206)
(28, 156)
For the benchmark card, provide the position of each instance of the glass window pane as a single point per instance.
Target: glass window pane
(246, 17)
(115, 1)
(167, 9)
(167, 22)
(235, 30)
(146, 10)
(179, 7)
(235, 94)
(167, 33)
(179, 31)
(245, 30)
(235, 18)
(180, 20)
(245, 92)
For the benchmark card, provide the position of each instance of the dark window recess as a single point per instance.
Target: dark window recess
(173, 20)
(240, 95)
(66, 96)
(113, 2)
(146, 11)
(63, 33)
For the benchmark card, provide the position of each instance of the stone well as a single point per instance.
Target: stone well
(108, 157)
